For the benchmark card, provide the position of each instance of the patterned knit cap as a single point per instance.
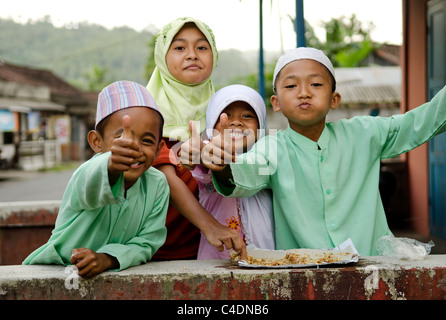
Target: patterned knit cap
(123, 94)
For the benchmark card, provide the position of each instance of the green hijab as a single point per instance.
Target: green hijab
(180, 102)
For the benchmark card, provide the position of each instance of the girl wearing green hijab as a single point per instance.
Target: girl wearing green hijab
(182, 101)
(185, 57)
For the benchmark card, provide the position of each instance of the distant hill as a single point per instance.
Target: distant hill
(74, 51)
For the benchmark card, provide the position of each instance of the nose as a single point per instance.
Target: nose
(235, 122)
(191, 54)
(304, 92)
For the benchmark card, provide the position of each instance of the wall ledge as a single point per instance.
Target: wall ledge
(374, 278)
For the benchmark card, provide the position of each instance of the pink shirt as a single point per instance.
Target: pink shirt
(224, 210)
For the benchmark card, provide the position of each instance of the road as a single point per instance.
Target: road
(17, 185)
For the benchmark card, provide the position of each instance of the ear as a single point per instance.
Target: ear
(275, 103)
(160, 146)
(95, 141)
(335, 100)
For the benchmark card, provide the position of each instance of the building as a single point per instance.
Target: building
(423, 66)
(43, 119)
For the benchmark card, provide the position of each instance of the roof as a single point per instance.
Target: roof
(378, 84)
(39, 77)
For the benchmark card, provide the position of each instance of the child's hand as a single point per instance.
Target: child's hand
(90, 263)
(220, 151)
(124, 151)
(191, 150)
(222, 237)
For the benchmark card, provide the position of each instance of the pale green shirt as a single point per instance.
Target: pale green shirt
(328, 191)
(128, 226)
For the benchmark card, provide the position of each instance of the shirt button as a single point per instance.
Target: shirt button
(328, 191)
(332, 225)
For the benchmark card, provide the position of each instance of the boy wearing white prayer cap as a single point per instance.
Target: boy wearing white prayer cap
(324, 176)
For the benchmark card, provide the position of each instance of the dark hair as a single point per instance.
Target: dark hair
(100, 127)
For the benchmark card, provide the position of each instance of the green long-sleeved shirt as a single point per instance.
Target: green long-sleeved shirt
(128, 226)
(327, 191)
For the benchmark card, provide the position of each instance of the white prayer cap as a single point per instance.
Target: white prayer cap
(299, 54)
(229, 94)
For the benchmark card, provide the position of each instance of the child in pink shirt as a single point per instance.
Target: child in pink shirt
(244, 114)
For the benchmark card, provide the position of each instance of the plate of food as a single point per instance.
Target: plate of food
(345, 253)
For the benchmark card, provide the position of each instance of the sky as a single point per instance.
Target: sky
(235, 23)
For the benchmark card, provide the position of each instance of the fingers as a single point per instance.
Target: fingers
(223, 237)
(127, 133)
(86, 262)
(193, 130)
(125, 150)
(190, 150)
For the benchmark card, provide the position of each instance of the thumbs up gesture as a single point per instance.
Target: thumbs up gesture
(220, 151)
(125, 151)
(191, 150)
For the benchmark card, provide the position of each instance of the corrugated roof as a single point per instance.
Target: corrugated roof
(369, 84)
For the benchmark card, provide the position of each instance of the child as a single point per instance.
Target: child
(113, 212)
(324, 176)
(252, 216)
(185, 56)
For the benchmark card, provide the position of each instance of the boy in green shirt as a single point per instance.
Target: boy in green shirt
(324, 176)
(113, 211)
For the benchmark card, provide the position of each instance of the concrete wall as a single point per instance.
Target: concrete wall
(380, 278)
(25, 226)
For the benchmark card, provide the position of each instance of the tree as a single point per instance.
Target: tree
(96, 79)
(348, 41)
(150, 61)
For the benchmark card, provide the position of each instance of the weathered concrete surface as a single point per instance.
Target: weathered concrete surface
(370, 278)
(25, 226)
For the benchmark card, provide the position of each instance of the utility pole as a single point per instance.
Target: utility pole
(299, 24)
(261, 64)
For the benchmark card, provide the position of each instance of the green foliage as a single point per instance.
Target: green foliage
(81, 54)
(348, 41)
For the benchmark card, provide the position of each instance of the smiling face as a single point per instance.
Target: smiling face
(243, 123)
(304, 95)
(190, 58)
(145, 128)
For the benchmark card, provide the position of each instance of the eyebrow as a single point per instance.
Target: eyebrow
(151, 134)
(184, 40)
(312, 75)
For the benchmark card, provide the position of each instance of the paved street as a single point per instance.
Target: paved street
(18, 185)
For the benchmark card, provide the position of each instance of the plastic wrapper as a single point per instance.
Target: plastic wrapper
(403, 248)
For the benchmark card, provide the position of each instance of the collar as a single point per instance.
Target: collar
(306, 143)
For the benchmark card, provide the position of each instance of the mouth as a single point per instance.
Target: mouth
(137, 165)
(238, 135)
(304, 105)
(192, 67)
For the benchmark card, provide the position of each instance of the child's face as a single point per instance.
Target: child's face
(243, 123)
(145, 128)
(190, 58)
(304, 95)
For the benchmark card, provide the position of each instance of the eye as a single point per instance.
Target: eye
(147, 141)
(290, 86)
(316, 84)
(178, 48)
(202, 48)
